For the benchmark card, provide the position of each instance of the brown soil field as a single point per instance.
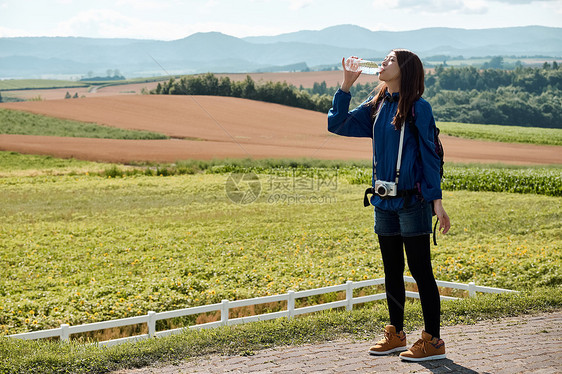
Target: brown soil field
(207, 127)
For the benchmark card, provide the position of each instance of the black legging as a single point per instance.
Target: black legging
(419, 262)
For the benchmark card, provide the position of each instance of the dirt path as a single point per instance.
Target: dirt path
(523, 344)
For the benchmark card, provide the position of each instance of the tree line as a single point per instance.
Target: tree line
(523, 96)
(272, 92)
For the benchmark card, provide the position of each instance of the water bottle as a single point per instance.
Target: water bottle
(367, 67)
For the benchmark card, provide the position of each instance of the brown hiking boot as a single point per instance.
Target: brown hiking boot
(425, 349)
(392, 342)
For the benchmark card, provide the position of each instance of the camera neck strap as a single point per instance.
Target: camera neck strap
(400, 146)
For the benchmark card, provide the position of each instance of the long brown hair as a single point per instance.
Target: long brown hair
(411, 85)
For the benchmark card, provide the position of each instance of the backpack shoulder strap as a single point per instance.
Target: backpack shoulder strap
(411, 120)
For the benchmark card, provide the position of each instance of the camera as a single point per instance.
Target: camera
(383, 188)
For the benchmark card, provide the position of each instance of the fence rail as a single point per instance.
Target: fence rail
(65, 330)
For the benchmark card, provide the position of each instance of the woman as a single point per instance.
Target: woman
(403, 216)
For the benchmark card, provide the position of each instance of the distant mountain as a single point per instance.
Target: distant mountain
(73, 57)
(520, 41)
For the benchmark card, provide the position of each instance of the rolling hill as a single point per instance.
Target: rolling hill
(207, 127)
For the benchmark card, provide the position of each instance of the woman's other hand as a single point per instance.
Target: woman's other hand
(444, 221)
(349, 77)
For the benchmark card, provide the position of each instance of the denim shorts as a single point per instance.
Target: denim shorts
(413, 219)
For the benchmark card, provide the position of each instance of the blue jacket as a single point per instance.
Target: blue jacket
(420, 163)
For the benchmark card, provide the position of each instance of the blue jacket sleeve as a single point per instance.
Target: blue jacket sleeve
(341, 121)
(431, 163)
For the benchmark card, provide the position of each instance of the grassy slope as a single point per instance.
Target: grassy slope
(34, 84)
(31, 84)
(506, 134)
(24, 123)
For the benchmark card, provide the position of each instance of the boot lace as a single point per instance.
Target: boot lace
(419, 345)
(385, 339)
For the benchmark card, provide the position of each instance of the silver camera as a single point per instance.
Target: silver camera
(383, 188)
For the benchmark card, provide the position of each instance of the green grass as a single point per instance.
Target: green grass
(506, 134)
(97, 243)
(24, 123)
(16, 164)
(133, 80)
(80, 248)
(32, 84)
(18, 356)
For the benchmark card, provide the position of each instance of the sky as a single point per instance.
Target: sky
(176, 19)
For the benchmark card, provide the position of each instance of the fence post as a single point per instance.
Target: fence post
(349, 295)
(224, 312)
(291, 304)
(64, 335)
(471, 289)
(151, 324)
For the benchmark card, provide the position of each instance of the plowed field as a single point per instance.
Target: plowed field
(207, 127)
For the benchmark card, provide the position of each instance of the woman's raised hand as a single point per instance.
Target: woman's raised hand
(349, 77)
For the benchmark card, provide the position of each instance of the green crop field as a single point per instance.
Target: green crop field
(32, 84)
(24, 123)
(85, 247)
(506, 134)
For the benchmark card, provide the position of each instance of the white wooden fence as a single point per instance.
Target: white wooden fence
(64, 331)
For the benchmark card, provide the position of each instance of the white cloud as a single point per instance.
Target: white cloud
(424, 6)
(208, 7)
(435, 7)
(144, 4)
(475, 7)
(108, 23)
(450, 6)
(211, 3)
(443, 6)
(299, 4)
(383, 4)
(513, 2)
(174, 19)
(6, 32)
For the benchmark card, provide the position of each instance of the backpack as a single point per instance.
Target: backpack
(436, 141)
(438, 149)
